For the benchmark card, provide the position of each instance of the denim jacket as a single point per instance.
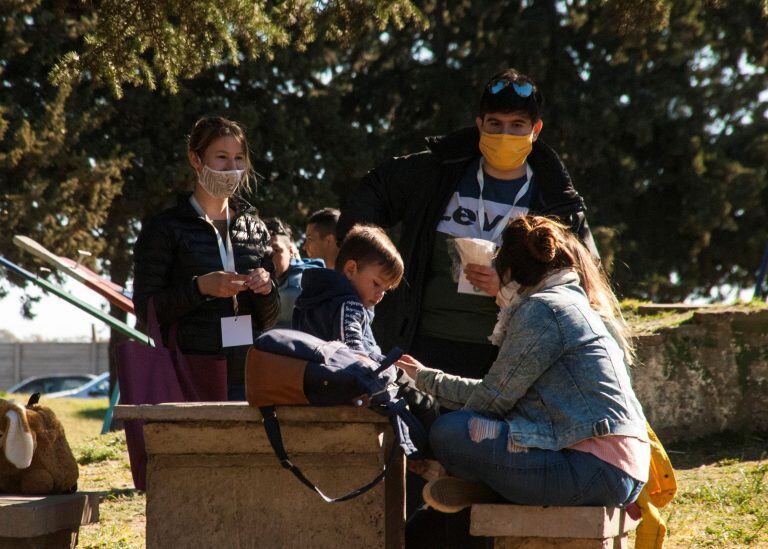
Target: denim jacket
(559, 378)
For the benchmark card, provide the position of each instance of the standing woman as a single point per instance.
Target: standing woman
(206, 262)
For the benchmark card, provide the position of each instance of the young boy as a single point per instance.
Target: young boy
(337, 304)
(289, 268)
(320, 241)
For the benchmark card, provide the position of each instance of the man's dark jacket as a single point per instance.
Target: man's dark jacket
(329, 308)
(415, 190)
(178, 245)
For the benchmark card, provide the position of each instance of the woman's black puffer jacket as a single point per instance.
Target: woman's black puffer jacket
(179, 245)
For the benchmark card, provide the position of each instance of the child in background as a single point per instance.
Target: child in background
(289, 268)
(337, 304)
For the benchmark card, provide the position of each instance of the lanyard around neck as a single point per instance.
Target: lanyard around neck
(481, 203)
(226, 252)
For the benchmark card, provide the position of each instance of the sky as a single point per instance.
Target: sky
(55, 319)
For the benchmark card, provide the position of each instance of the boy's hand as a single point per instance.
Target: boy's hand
(259, 281)
(409, 365)
(485, 278)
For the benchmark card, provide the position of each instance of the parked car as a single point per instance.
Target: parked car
(50, 384)
(98, 387)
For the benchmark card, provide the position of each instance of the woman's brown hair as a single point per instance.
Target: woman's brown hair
(534, 246)
(209, 128)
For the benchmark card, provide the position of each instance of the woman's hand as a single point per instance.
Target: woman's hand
(259, 281)
(485, 278)
(409, 365)
(221, 284)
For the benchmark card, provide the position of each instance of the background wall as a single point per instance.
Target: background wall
(706, 375)
(21, 360)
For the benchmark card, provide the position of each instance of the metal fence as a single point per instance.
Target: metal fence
(22, 360)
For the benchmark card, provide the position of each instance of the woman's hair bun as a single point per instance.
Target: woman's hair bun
(541, 242)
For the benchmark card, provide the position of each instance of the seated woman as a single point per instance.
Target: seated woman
(555, 421)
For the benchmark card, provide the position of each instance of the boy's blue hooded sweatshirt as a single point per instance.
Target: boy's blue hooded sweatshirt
(329, 308)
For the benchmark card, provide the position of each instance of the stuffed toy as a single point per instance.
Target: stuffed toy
(36, 458)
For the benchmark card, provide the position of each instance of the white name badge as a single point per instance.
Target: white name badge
(236, 330)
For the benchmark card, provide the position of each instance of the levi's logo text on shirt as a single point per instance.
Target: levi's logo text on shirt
(501, 200)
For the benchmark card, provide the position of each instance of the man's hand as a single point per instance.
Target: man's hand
(485, 278)
(409, 365)
(259, 281)
(221, 284)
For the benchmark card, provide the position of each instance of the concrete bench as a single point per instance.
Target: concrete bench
(45, 522)
(214, 481)
(529, 527)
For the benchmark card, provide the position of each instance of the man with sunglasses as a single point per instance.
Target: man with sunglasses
(436, 195)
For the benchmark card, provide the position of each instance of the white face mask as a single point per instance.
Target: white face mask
(220, 184)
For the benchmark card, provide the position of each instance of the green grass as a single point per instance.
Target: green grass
(108, 447)
(722, 496)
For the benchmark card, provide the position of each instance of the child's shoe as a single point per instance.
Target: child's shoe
(451, 494)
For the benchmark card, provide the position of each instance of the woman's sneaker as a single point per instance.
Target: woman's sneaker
(451, 494)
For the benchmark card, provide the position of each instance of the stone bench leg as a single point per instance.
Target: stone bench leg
(45, 522)
(55, 540)
(619, 542)
(530, 527)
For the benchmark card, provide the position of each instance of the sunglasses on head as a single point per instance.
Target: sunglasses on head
(524, 89)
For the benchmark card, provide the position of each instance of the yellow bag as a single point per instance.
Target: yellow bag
(657, 493)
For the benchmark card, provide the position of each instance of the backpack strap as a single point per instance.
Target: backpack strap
(272, 428)
(391, 357)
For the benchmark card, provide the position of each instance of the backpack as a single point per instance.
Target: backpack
(292, 367)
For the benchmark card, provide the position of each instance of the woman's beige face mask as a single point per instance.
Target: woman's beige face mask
(220, 184)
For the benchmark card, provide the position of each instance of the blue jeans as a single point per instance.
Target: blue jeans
(534, 477)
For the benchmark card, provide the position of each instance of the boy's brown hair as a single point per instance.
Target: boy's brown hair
(370, 245)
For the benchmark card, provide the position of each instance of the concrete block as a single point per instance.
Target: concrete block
(499, 520)
(214, 481)
(240, 411)
(560, 543)
(238, 501)
(250, 438)
(42, 522)
(656, 308)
